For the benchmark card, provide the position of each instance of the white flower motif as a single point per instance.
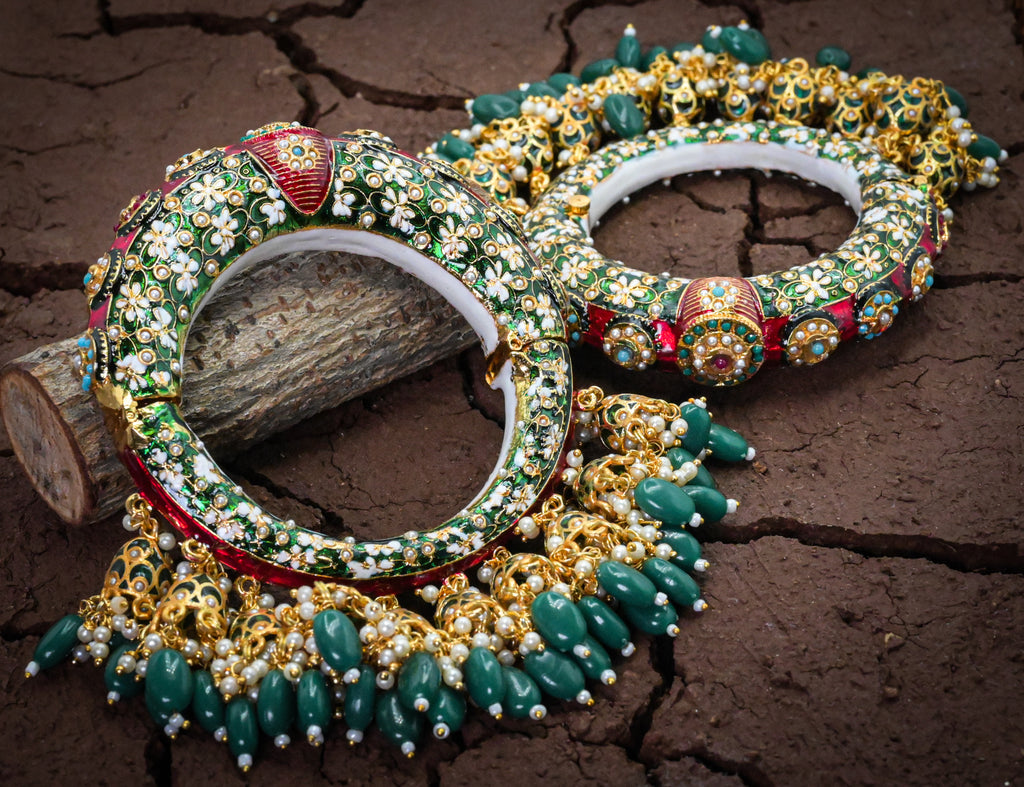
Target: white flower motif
(453, 239)
(574, 270)
(624, 291)
(343, 200)
(546, 311)
(132, 369)
(401, 212)
(496, 283)
(205, 469)
(209, 193)
(813, 286)
(161, 239)
(459, 204)
(161, 328)
(273, 208)
(510, 251)
(186, 268)
(224, 237)
(133, 301)
(393, 171)
(871, 263)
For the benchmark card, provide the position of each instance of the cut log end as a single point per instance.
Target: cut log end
(45, 446)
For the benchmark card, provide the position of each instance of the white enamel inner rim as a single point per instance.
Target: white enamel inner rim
(682, 157)
(427, 270)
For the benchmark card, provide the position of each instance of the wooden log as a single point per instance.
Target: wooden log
(286, 340)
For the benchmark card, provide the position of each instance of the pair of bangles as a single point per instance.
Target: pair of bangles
(496, 218)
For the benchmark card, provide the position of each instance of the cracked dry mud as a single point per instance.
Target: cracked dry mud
(866, 618)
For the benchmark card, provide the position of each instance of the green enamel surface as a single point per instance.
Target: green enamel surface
(834, 56)
(558, 620)
(124, 684)
(687, 548)
(484, 681)
(57, 642)
(625, 583)
(395, 721)
(337, 639)
(276, 708)
(419, 679)
(710, 503)
(671, 580)
(169, 683)
(623, 115)
(207, 703)
(312, 702)
(522, 693)
(243, 731)
(360, 698)
(664, 501)
(727, 444)
(555, 673)
(651, 619)
(603, 623)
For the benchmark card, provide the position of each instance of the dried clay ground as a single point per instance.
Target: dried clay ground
(866, 620)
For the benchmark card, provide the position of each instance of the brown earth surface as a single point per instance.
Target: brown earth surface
(866, 621)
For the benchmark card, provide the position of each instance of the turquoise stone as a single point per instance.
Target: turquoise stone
(834, 56)
(276, 706)
(243, 732)
(602, 622)
(679, 456)
(747, 46)
(628, 52)
(123, 684)
(360, 698)
(452, 148)
(625, 583)
(312, 702)
(698, 424)
(337, 640)
(398, 724)
(596, 665)
(687, 548)
(522, 694)
(484, 680)
(447, 713)
(671, 580)
(207, 703)
(494, 106)
(57, 642)
(562, 81)
(651, 619)
(598, 69)
(984, 147)
(664, 501)
(169, 684)
(623, 115)
(710, 503)
(726, 444)
(558, 620)
(419, 681)
(555, 673)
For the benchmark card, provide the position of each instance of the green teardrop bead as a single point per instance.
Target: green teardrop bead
(522, 694)
(562, 81)
(711, 42)
(558, 620)
(555, 673)
(698, 425)
(169, 684)
(598, 69)
(671, 580)
(312, 703)
(956, 98)
(401, 726)
(625, 583)
(651, 619)
(537, 89)
(710, 503)
(679, 456)
(337, 640)
(57, 642)
(651, 55)
(419, 681)
(747, 46)
(686, 547)
(683, 46)
(276, 708)
(448, 712)
(207, 703)
(243, 732)
(494, 106)
(516, 95)
(727, 444)
(664, 501)
(483, 679)
(360, 698)
(628, 52)
(834, 56)
(453, 148)
(602, 622)
(623, 115)
(984, 147)
(123, 684)
(598, 664)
